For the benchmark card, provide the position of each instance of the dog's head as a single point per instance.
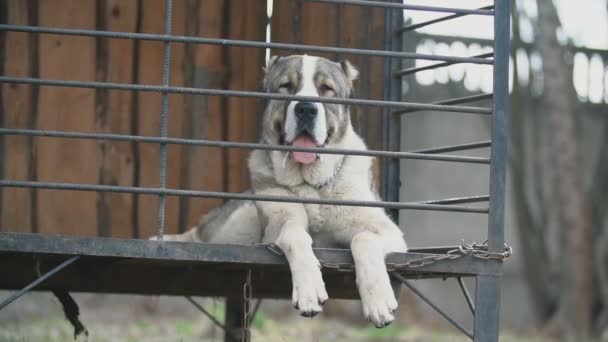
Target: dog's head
(307, 124)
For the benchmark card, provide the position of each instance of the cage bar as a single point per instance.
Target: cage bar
(458, 100)
(237, 145)
(236, 93)
(455, 148)
(237, 43)
(390, 5)
(231, 196)
(406, 28)
(405, 72)
(164, 123)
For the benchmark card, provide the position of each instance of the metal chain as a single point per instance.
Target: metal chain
(247, 289)
(474, 249)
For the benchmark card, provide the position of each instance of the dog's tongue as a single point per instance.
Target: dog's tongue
(304, 157)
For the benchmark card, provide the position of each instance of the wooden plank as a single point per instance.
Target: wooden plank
(205, 67)
(285, 24)
(150, 66)
(67, 57)
(247, 21)
(17, 109)
(115, 59)
(319, 26)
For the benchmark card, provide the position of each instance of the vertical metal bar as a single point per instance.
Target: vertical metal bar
(164, 122)
(487, 308)
(234, 319)
(388, 37)
(500, 110)
(391, 123)
(487, 297)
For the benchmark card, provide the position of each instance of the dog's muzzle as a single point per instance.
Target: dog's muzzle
(306, 115)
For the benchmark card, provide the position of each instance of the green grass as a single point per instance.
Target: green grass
(56, 329)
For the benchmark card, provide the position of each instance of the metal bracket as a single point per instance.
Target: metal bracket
(36, 282)
(431, 304)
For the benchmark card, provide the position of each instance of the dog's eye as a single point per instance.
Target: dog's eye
(285, 85)
(325, 89)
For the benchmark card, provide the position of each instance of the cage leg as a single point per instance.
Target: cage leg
(234, 319)
(487, 308)
(36, 282)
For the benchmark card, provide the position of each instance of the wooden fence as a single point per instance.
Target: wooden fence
(122, 112)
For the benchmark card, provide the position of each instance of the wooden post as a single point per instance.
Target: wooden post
(18, 111)
(204, 67)
(72, 109)
(115, 63)
(247, 20)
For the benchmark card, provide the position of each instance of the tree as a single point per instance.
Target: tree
(552, 200)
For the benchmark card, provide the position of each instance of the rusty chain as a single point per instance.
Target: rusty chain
(247, 289)
(474, 249)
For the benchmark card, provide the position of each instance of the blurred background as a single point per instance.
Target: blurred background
(554, 287)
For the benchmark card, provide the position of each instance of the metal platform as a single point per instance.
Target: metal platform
(109, 265)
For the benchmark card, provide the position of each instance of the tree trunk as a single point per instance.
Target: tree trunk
(574, 314)
(531, 225)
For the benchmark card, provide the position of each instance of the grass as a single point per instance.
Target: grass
(263, 329)
(120, 319)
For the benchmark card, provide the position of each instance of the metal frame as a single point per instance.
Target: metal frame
(189, 261)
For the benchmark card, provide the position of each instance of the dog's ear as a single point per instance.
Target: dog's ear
(351, 74)
(349, 70)
(272, 61)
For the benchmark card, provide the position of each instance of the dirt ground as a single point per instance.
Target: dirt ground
(38, 317)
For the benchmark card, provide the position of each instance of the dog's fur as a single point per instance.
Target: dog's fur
(296, 227)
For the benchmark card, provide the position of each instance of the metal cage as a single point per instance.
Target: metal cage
(149, 267)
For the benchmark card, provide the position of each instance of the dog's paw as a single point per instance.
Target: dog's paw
(309, 292)
(168, 237)
(378, 301)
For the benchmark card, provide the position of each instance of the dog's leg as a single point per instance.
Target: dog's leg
(288, 228)
(189, 236)
(369, 248)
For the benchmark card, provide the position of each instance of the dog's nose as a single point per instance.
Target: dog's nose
(305, 111)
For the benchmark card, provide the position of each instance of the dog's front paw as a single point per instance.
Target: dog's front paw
(309, 292)
(378, 301)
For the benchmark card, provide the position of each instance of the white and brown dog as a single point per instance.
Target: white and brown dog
(295, 227)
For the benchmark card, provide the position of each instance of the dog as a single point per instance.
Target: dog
(295, 228)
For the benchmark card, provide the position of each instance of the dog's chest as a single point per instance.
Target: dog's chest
(322, 218)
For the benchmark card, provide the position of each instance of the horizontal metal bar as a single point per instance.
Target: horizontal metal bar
(459, 200)
(236, 43)
(409, 71)
(239, 145)
(454, 148)
(237, 93)
(406, 28)
(38, 280)
(432, 305)
(212, 253)
(464, 99)
(233, 196)
(369, 3)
